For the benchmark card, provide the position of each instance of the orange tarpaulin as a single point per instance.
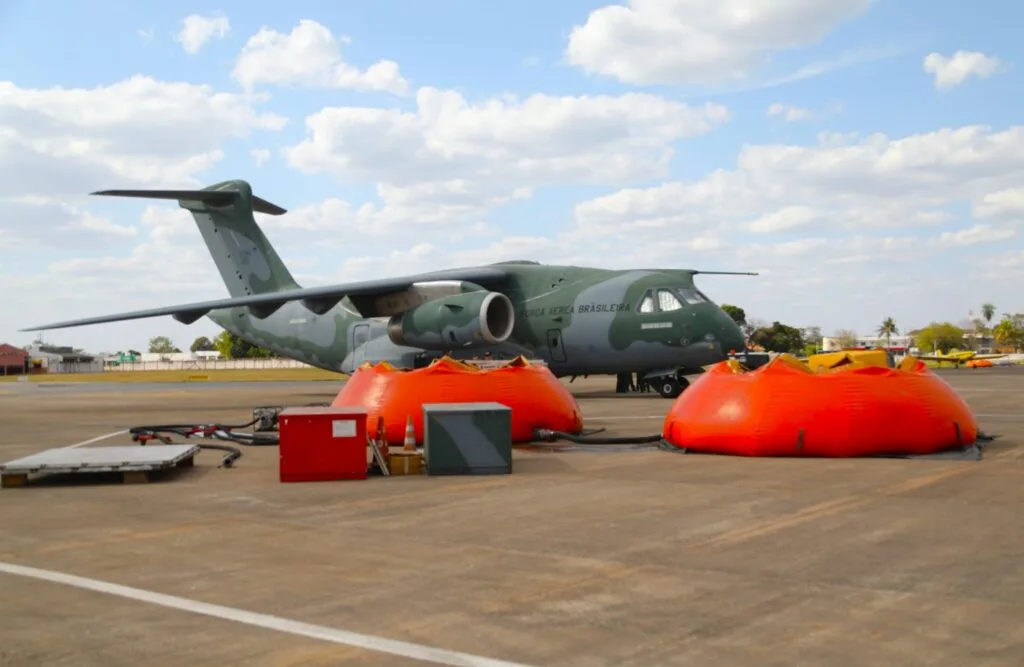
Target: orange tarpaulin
(536, 397)
(785, 409)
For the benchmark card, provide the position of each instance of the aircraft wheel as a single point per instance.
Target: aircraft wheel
(669, 387)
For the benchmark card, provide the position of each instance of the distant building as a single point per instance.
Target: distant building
(900, 343)
(897, 344)
(61, 359)
(13, 360)
(905, 343)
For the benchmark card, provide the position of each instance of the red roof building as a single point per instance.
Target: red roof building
(12, 360)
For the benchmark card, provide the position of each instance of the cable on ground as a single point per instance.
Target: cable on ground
(222, 432)
(589, 437)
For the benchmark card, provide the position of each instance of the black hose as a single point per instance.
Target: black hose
(547, 435)
(222, 432)
(228, 461)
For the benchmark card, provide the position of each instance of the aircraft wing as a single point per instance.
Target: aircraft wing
(317, 299)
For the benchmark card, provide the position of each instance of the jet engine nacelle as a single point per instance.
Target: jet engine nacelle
(472, 319)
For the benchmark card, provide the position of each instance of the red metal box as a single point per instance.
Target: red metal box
(322, 443)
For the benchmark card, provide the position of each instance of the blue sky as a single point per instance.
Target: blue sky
(871, 80)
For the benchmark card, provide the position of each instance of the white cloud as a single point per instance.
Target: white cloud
(840, 184)
(951, 72)
(1007, 204)
(699, 41)
(789, 112)
(58, 144)
(197, 30)
(44, 225)
(452, 159)
(412, 213)
(260, 156)
(310, 56)
(976, 235)
(69, 141)
(785, 219)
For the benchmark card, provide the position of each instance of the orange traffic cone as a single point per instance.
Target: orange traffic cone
(410, 436)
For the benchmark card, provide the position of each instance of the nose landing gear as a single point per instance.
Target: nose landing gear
(671, 386)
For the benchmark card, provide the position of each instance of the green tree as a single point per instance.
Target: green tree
(846, 338)
(256, 352)
(888, 329)
(1010, 331)
(231, 346)
(941, 336)
(779, 338)
(751, 326)
(202, 344)
(161, 345)
(736, 313)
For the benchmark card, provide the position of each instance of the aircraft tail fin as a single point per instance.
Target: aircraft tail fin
(247, 261)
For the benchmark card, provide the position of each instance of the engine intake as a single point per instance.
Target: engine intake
(472, 319)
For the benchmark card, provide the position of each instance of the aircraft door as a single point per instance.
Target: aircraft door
(360, 336)
(555, 346)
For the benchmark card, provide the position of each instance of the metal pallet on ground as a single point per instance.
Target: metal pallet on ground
(135, 463)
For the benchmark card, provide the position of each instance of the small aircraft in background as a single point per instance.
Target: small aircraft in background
(958, 358)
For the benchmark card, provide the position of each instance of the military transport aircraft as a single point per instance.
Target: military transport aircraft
(578, 320)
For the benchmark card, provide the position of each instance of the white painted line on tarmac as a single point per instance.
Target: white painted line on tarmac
(96, 439)
(323, 633)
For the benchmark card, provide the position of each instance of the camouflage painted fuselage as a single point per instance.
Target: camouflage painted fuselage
(578, 320)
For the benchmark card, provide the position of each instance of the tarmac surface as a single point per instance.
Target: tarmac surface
(579, 558)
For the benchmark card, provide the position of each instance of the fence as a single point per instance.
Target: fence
(207, 365)
(73, 367)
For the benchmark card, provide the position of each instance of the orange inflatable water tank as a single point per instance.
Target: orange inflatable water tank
(785, 409)
(536, 397)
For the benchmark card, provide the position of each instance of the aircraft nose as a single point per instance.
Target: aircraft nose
(729, 333)
(732, 337)
(714, 325)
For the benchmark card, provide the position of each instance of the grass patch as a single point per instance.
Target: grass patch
(244, 375)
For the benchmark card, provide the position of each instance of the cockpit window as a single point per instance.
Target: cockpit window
(647, 303)
(667, 301)
(691, 295)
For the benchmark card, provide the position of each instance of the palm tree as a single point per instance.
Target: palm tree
(988, 311)
(888, 329)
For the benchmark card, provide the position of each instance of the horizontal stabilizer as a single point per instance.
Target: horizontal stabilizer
(211, 197)
(724, 273)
